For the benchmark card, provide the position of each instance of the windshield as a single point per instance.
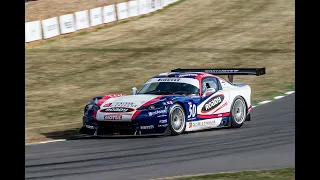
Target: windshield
(169, 88)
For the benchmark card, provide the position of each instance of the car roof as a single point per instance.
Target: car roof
(193, 75)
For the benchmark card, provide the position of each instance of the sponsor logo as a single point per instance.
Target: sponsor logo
(212, 103)
(163, 121)
(113, 95)
(157, 112)
(163, 115)
(190, 119)
(112, 117)
(202, 123)
(221, 71)
(169, 102)
(186, 75)
(162, 125)
(170, 79)
(147, 127)
(124, 104)
(205, 75)
(117, 109)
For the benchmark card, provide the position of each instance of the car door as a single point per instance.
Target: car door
(212, 105)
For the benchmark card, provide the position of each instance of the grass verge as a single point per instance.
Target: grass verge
(276, 174)
(61, 76)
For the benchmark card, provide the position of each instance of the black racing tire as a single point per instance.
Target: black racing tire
(238, 112)
(177, 119)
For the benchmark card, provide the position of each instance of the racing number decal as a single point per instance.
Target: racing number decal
(192, 110)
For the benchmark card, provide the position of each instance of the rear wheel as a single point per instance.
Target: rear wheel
(238, 113)
(177, 120)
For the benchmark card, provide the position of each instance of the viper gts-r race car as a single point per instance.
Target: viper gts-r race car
(172, 103)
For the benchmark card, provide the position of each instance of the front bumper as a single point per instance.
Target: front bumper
(121, 128)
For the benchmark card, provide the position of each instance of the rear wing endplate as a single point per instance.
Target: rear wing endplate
(227, 71)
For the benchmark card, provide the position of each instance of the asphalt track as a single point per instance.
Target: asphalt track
(268, 141)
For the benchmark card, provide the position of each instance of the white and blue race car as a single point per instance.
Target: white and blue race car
(173, 103)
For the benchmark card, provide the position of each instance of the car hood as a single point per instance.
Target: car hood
(132, 101)
(124, 107)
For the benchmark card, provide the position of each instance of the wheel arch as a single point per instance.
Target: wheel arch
(169, 129)
(183, 106)
(245, 102)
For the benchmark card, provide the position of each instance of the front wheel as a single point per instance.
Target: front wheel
(238, 113)
(177, 120)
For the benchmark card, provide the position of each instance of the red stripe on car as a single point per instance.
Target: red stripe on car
(104, 98)
(95, 114)
(152, 101)
(223, 105)
(226, 114)
(135, 114)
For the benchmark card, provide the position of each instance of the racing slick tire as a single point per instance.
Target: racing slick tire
(238, 112)
(177, 119)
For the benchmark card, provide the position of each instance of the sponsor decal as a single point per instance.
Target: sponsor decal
(185, 75)
(147, 127)
(221, 71)
(202, 123)
(112, 117)
(205, 75)
(169, 79)
(157, 112)
(163, 121)
(212, 103)
(162, 125)
(169, 102)
(124, 104)
(190, 124)
(117, 109)
(163, 115)
(190, 119)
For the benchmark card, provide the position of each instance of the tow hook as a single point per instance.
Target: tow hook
(135, 133)
(96, 132)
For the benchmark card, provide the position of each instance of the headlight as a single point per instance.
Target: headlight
(91, 107)
(151, 107)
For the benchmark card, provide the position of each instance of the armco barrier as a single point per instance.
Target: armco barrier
(64, 24)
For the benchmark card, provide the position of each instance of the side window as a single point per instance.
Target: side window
(210, 82)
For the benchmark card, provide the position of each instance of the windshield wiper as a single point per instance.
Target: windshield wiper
(159, 92)
(182, 92)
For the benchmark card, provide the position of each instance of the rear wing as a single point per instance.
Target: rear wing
(227, 71)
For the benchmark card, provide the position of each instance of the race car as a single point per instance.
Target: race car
(172, 103)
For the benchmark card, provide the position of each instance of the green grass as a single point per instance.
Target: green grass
(61, 76)
(277, 174)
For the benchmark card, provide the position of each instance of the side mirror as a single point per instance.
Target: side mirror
(208, 92)
(134, 90)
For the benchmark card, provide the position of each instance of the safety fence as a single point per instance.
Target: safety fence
(68, 23)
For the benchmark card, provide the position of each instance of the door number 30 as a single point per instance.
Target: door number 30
(192, 110)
